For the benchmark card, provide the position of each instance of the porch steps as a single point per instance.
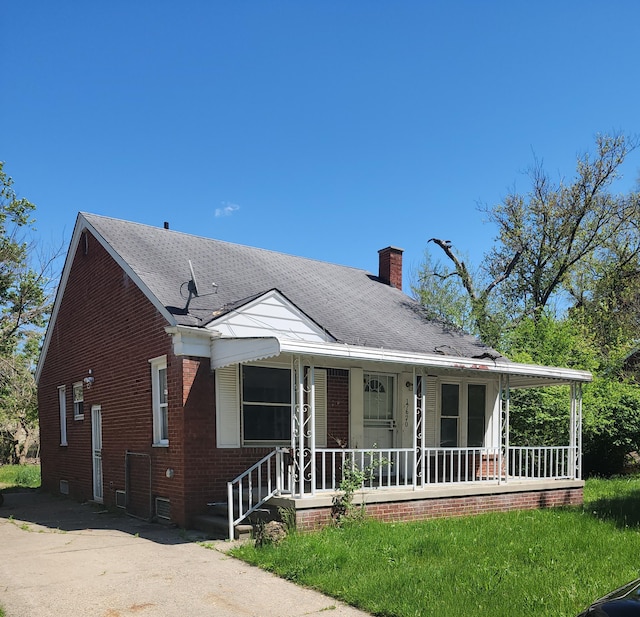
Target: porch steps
(215, 522)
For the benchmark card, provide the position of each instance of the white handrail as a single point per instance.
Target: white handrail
(254, 487)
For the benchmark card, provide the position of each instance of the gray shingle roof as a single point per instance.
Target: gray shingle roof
(353, 305)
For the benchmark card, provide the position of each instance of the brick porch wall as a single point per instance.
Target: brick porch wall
(424, 509)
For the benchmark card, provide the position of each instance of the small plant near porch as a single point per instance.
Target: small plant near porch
(355, 478)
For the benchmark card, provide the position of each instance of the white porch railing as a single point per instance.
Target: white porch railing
(410, 469)
(252, 488)
(537, 462)
(394, 468)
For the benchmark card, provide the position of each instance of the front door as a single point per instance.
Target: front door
(379, 422)
(96, 448)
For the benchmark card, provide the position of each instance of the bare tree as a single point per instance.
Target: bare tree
(548, 234)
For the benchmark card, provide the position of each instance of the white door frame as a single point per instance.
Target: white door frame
(96, 452)
(377, 432)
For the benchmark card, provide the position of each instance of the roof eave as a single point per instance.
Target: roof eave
(252, 349)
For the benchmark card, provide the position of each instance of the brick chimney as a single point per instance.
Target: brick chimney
(390, 268)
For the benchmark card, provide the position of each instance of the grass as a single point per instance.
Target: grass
(19, 476)
(530, 563)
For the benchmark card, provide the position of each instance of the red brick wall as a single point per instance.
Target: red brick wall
(390, 266)
(308, 520)
(106, 324)
(212, 468)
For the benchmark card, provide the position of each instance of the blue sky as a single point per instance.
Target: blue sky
(323, 129)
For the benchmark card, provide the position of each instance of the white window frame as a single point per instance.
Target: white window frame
(459, 417)
(160, 401)
(463, 411)
(229, 406)
(263, 442)
(62, 409)
(78, 401)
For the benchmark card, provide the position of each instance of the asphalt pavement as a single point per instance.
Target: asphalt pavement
(59, 557)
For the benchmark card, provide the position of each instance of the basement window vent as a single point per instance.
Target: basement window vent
(163, 509)
(64, 487)
(121, 499)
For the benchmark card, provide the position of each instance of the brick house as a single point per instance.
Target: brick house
(179, 371)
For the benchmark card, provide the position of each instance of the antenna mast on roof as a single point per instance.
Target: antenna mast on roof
(192, 287)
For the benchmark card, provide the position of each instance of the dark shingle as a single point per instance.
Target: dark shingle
(350, 303)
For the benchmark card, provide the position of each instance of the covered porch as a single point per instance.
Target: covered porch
(419, 473)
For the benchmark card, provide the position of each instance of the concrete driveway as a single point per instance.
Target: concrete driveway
(58, 557)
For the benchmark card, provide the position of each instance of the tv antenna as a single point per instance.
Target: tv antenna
(192, 288)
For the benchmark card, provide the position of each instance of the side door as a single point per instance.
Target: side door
(96, 449)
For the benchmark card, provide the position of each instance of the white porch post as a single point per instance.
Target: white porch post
(579, 430)
(303, 427)
(575, 431)
(300, 423)
(419, 410)
(416, 455)
(312, 427)
(505, 399)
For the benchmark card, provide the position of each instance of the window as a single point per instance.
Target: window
(266, 405)
(462, 414)
(78, 401)
(62, 407)
(378, 397)
(449, 413)
(475, 415)
(160, 401)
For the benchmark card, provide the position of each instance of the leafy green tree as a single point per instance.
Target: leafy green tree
(561, 286)
(559, 226)
(441, 294)
(18, 404)
(611, 403)
(24, 308)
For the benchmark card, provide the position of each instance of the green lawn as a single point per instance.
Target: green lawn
(19, 476)
(531, 563)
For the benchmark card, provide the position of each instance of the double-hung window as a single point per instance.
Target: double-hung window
(449, 415)
(159, 395)
(476, 403)
(462, 415)
(78, 401)
(266, 405)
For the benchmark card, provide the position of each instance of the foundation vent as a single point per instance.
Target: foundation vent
(64, 487)
(163, 509)
(121, 499)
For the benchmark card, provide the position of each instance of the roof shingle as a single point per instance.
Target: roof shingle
(353, 305)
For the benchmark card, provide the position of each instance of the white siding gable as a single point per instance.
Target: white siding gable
(270, 315)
